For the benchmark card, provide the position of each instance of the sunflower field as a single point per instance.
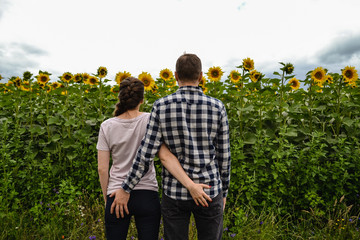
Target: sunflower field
(295, 146)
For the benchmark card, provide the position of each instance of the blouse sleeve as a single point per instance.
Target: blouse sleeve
(102, 143)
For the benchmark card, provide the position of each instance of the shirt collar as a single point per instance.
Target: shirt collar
(190, 88)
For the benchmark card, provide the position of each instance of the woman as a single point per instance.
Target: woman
(120, 137)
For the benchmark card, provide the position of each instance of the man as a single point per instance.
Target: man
(194, 127)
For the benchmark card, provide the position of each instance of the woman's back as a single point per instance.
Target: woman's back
(122, 138)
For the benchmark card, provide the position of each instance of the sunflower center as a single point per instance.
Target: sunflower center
(215, 74)
(146, 82)
(349, 74)
(165, 75)
(43, 79)
(318, 75)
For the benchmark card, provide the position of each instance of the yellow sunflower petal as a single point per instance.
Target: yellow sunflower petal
(318, 75)
(294, 83)
(120, 76)
(147, 80)
(350, 74)
(166, 74)
(248, 64)
(67, 77)
(235, 76)
(215, 74)
(102, 72)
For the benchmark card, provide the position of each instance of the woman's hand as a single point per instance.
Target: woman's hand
(120, 202)
(197, 192)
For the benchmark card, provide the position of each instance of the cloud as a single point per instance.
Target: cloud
(16, 58)
(241, 6)
(342, 50)
(4, 4)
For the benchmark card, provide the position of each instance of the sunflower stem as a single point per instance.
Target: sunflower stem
(310, 106)
(47, 113)
(281, 93)
(100, 97)
(338, 122)
(260, 110)
(241, 103)
(31, 110)
(67, 107)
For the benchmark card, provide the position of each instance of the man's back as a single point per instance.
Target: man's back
(195, 129)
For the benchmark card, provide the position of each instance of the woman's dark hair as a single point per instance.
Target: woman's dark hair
(130, 95)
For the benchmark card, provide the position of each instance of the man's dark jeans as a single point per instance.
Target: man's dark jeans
(176, 218)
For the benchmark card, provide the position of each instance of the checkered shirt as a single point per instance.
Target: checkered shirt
(195, 129)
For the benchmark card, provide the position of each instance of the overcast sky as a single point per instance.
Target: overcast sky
(148, 35)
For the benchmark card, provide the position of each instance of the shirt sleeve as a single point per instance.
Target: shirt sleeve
(223, 152)
(102, 143)
(146, 152)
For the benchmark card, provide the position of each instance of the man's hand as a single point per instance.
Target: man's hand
(120, 202)
(198, 194)
(224, 199)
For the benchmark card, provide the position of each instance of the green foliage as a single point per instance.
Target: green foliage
(292, 150)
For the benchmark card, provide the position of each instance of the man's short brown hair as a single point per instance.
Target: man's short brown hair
(188, 67)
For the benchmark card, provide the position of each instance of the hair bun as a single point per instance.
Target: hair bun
(130, 95)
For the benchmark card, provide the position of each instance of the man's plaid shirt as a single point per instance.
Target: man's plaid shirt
(195, 129)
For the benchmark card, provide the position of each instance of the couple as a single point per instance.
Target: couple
(189, 132)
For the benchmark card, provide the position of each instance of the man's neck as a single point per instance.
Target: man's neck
(188, 84)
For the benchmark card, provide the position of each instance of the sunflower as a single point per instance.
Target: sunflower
(1, 77)
(17, 82)
(288, 68)
(215, 74)
(67, 77)
(42, 85)
(154, 89)
(171, 83)
(148, 81)
(120, 76)
(255, 76)
(55, 85)
(78, 78)
(294, 83)
(25, 86)
(205, 90)
(239, 86)
(353, 84)
(235, 76)
(86, 77)
(115, 89)
(166, 74)
(9, 83)
(42, 78)
(27, 75)
(93, 80)
(102, 72)
(350, 74)
(329, 79)
(202, 82)
(318, 75)
(248, 64)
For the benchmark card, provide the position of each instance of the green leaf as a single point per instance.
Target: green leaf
(54, 120)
